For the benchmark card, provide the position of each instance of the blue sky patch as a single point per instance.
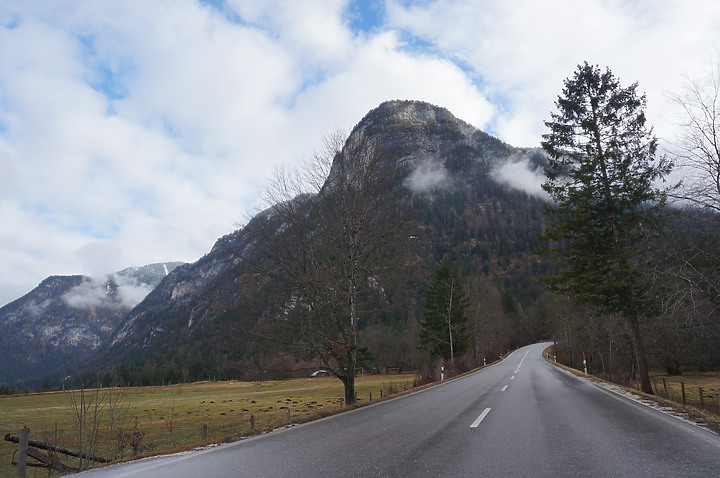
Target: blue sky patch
(105, 76)
(365, 15)
(12, 21)
(222, 7)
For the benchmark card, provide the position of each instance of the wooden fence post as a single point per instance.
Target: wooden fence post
(252, 422)
(22, 453)
(702, 399)
(682, 387)
(203, 432)
(665, 388)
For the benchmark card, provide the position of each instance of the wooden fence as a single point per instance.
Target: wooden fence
(31, 449)
(699, 397)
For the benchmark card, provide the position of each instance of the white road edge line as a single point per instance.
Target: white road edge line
(480, 418)
(512, 378)
(504, 388)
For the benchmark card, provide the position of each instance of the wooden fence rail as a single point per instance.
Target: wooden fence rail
(31, 448)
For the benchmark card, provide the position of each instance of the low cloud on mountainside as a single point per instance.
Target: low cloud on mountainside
(98, 292)
(429, 174)
(518, 173)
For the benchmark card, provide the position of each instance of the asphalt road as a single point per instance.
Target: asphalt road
(521, 417)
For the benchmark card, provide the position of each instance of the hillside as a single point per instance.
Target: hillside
(66, 319)
(200, 321)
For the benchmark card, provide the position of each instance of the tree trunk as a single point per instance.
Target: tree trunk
(350, 397)
(645, 384)
(349, 381)
(352, 349)
(450, 325)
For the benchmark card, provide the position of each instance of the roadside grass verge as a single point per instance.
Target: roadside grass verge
(707, 417)
(155, 420)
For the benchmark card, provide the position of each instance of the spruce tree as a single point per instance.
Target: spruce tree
(445, 329)
(601, 175)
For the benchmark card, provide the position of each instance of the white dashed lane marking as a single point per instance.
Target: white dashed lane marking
(480, 418)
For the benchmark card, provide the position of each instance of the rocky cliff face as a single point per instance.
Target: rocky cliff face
(192, 317)
(66, 319)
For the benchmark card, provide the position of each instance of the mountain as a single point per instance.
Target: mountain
(66, 319)
(467, 193)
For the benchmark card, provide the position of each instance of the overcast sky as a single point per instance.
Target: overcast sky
(138, 131)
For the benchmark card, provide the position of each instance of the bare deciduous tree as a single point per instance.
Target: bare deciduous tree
(491, 326)
(88, 409)
(328, 233)
(698, 146)
(690, 280)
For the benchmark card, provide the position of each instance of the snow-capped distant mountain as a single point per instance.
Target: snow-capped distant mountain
(65, 319)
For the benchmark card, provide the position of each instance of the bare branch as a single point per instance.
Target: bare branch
(698, 146)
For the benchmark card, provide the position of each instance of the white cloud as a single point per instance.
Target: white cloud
(130, 291)
(429, 174)
(151, 126)
(522, 50)
(100, 257)
(517, 172)
(88, 294)
(97, 292)
(7, 174)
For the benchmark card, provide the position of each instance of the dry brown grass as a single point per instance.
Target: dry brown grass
(170, 417)
(670, 386)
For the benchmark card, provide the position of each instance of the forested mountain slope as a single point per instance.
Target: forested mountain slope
(67, 319)
(200, 322)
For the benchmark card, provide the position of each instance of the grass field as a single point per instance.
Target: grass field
(166, 418)
(709, 382)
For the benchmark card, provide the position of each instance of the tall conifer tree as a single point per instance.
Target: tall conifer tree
(445, 330)
(601, 175)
